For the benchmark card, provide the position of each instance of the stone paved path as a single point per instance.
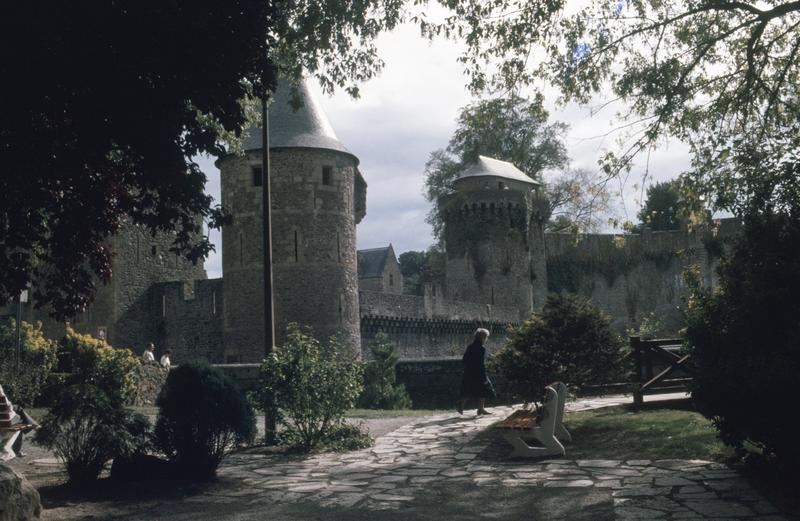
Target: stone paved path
(446, 452)
(446, 467)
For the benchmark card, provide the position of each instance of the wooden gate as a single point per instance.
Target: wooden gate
(660, 367)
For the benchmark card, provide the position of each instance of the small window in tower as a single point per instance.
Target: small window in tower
(501, 185)
(327, 175)
(258, 176)
(296, 248)
(391, 279)
(153, 250)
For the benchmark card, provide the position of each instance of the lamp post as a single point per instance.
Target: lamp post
(23, 297)
(266, 212)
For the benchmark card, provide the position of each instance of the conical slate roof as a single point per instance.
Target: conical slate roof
(487, 166)
(306, 127)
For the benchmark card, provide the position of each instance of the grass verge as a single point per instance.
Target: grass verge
(369, 414)
(653, 433)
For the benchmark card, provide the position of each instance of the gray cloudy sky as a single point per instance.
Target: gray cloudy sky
(409, 111)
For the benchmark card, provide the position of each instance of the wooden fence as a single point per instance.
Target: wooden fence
(661, 366)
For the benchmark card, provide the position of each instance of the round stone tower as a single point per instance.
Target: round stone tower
(318, 197)
(494, 237)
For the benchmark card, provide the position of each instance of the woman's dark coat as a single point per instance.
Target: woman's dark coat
(473, 383)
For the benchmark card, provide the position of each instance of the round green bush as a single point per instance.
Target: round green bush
(570, 340)
(744, 339)
(202, 416)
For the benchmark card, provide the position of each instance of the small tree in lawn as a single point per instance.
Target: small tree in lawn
(569, 340)
(381, 390)
(311, 386)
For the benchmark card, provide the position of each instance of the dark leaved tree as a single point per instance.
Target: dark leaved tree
(105, 104)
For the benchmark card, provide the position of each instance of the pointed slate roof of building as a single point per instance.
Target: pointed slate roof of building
(305, 127)
(487, 166)
(372, 262)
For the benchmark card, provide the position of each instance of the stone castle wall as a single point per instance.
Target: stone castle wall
(313, 248)
(429, 326)
(633, 276)
(124, 309)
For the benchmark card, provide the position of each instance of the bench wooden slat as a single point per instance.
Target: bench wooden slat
(520, 419)
(17, 427)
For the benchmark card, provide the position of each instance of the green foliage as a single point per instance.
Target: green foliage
(341, 437)
(86, 429)
(84, 162)
(570, 340)
(381, 390)
(202, 415)
(719, 76)
(308, 387)
(95, 362)
(662, 207)
(420, 268)
(744, 338)
(649, 327)
(36, 361)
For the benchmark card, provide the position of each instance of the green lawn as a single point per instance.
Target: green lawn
(656, 433)
(392, 413)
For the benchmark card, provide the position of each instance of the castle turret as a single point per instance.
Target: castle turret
(318, 197)
(493, 237)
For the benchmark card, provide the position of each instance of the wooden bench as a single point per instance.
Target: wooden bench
(8, 429)
(546, 427)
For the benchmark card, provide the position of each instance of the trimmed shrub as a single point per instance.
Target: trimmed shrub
(570, 340)
(744, 339)
(86, 429)
(308, 387)
(202, 416)
(37, 359)
(93, 361)
(381, 390)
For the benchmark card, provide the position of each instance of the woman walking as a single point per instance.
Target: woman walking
(475, 383)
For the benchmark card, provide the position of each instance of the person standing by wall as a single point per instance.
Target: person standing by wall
(475, 383)
(148, 357)
(165, 363)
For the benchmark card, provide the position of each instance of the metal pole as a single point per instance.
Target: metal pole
(266, 209)
(19, 331)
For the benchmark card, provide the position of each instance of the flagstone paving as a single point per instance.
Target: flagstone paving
(447, 450)
(448, 467)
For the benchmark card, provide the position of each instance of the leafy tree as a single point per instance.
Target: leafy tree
(37, 359)
(310, 385)
(514, 129)
(381, 390)
(662, 207)
(744, 338)
(420, 268)
(570, 340)
(720, 75)
(105, 105)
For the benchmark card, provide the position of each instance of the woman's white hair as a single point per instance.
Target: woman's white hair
(481, 332)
